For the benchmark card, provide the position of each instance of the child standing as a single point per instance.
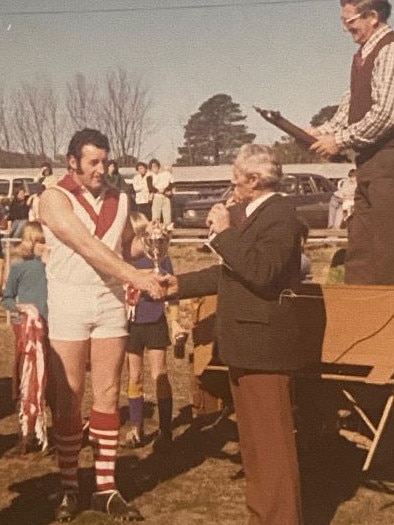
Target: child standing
(25, 296)
(148, 329)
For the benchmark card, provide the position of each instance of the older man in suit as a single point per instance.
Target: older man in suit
(255, 330)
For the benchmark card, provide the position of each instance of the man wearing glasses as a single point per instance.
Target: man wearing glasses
(364, 122)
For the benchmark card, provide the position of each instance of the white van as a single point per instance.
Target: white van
(9, 182)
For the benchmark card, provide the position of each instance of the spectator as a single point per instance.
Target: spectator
(342, 201)
(306, 267)
(116, 180)
(143, 188)
(19, 212)
(25, 296)
(33, 203)
(162, 181)
(4, 210)
(46, 176)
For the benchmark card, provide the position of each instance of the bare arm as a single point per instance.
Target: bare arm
(57, 214)
(131, 243)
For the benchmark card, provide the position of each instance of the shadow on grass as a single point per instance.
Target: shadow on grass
(330, 469)
(200, 441)
(330, 475)
(7, 405)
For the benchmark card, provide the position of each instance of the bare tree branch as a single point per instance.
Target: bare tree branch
(125, 107)
(5, 127)
(82, 102)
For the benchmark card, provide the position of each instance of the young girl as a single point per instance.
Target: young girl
(148, 329)
(25, 296)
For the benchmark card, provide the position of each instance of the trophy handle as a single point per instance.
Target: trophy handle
(275, 118)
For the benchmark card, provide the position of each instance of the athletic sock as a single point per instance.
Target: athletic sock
(104, 436)
(136, 405)
(164, 402)
(68, 440)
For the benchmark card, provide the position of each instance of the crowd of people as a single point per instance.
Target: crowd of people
(92, 225)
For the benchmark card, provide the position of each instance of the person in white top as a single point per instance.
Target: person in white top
(142, 183)
(87, 228)
(162, 181)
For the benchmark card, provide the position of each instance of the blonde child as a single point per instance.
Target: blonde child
(148, 330)
(25, 296)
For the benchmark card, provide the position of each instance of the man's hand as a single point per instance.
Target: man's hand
(218, 218)
(325, 146)
(313, 131)
(154, 284)
(172, 285)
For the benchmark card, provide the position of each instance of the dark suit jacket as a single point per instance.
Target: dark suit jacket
(261, 257)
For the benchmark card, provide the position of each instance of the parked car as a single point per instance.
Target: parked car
(309, 192)
(9, 182)
(191, 191)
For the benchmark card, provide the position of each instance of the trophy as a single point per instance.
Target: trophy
(275, 118)
(302, 138)
(155, 242)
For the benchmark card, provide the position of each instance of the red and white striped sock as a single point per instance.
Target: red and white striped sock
(68, 439)
(104, 436)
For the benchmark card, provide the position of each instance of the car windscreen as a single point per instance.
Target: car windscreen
(4, 187)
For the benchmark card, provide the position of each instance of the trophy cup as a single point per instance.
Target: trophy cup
(155, 242)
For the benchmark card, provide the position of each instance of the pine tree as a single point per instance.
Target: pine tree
(214, 134)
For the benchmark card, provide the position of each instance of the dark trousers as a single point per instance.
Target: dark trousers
(370, 252)
(146, 209)
(266, 431)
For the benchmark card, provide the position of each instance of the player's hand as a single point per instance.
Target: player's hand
(152, 283)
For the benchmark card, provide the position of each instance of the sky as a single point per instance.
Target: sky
(286, 55)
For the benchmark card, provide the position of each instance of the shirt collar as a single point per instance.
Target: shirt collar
(374, 39)
(252, 206)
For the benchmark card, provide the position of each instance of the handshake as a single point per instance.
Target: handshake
(158, 287)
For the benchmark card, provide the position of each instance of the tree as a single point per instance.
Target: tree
(323, 115)
(30, 116)
(5, 135)
(287, 151)
(119, 107)
(124, 112)
(214, 134)
(82, 102)
(55, 123)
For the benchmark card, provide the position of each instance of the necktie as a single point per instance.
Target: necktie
(358, 59)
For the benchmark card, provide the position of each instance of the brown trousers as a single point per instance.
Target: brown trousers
(370, 252)
(266, 431)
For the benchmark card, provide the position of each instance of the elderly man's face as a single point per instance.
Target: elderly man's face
(243, 184)
(360, 27)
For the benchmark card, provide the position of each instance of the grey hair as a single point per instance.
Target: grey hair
(260, 160)
(382, 7)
